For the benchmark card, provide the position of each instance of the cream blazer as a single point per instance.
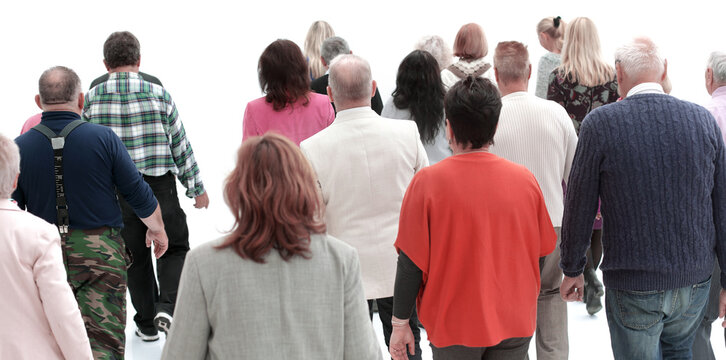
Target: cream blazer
(364, 164)
(39, 316)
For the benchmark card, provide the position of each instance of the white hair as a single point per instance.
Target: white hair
(350, 78)
(9, 166)
(640, 57)
(437, 47)
(717, 63)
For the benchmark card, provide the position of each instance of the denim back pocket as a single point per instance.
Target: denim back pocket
(639, 310)
(698, 298)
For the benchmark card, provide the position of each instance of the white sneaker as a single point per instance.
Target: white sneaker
(147, 337)
(162, 321)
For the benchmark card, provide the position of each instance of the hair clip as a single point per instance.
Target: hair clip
(557, 21)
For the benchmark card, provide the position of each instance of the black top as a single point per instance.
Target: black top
(103, 78)
(408, 282)
(320, 85)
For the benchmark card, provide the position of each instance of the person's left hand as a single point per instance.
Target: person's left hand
(722, 306)
(402, 338)
(572, 288)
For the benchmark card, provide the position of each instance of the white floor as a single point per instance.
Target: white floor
(589, 338)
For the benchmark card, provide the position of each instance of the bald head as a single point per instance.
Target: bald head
(350, 82)
(59, 85)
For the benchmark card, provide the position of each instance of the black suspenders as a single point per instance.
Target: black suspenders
(58, 142)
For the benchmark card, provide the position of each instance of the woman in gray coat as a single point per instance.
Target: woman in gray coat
(276, 286)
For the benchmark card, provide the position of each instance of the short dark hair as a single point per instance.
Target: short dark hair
(121, 48)
(472, 107)
(58, 85)
(283, 74)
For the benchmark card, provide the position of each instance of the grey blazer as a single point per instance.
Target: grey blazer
(232, 308)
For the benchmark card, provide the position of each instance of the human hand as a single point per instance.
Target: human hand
(161, 242)
(201, 201)
(722, 305)
(572, 288)
(401, 338)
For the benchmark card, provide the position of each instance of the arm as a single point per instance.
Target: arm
(422, 160)
(570, 142)
(718, 200)
(181, 152)
(543, 69)
(59, 304)
(408, 283)
(155, 232)
(359, 339)
(249, 128)
(189, 335)
(555, 91)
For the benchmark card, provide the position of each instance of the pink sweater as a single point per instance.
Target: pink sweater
(298, 122)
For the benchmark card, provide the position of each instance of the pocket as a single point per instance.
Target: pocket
(699, 298)
(639, 310)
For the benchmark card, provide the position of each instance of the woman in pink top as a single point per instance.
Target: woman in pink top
(288, 107)
(40, 316)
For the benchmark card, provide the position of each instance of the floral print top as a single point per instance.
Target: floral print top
(578, 99)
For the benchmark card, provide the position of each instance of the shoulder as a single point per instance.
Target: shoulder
(318, 99)
(258, 103)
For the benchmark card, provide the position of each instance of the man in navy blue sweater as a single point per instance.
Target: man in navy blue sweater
(659, 166)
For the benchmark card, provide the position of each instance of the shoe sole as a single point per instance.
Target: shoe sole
(146, 338)
(162, 324)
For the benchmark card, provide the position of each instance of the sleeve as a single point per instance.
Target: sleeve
(249, 128)
(542, 77)
(570, 142)
(547, 234)
(413, 225)
(128, 180)
(359, 338)
(613, 94)
(321, 193)
(422, 159)
(718, 200)
(377, 103)
(555, 91)
(189, 334)
(407, 286)
(181, 151)
(581, 201)
(59, 303)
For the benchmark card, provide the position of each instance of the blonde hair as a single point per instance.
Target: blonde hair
(555, 28)
(581, 56)
(318, 32)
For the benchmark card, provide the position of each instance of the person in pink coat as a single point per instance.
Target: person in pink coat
(39, 316)
(288, 107)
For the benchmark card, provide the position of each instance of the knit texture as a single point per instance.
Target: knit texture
(657, 163)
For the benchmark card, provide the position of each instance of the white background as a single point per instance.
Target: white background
(206, 52)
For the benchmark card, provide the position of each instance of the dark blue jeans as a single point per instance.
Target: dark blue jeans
(148, 298)
(650, 325)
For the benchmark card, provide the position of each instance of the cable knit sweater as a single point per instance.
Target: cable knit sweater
(658, 164)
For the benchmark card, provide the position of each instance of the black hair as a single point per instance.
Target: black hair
(420, 90)
(472, 108)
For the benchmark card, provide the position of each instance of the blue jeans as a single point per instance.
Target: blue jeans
(650, 325)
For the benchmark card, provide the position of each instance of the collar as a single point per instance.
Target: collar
(646, 88)
(59, 115)
(516, 94)
(355, 113)
(123, 75)
(720, 92)
(7, 204)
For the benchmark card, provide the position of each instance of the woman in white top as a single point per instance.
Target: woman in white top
(551, 33)
(419, 96)
(471, 47)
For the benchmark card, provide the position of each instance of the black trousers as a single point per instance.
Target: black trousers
(385, 311)
(147, 298)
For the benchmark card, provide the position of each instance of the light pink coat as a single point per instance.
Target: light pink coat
(297, 122)
(39, 316)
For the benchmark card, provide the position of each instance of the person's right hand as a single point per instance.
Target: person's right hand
(201, 201)
(402, 338)
(722, 305)
(161, 242)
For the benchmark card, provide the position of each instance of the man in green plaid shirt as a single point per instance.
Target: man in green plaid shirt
(144, 116)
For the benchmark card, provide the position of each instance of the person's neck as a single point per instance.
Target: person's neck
(61, 107)
(457, 149)
(125, 68)
(508, 88)
(352, 105)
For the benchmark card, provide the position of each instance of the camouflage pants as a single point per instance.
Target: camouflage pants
(96, 266)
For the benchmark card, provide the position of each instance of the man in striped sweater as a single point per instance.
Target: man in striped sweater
(539, 135)
(658, 164)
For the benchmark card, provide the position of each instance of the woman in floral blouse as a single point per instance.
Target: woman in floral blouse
(582, 83)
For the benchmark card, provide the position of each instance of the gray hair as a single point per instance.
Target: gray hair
(717, 63)
(332, 47)
(350, 78)
(511, 59)
(59, 85)
(437, 47)
(9, 166)
(639, 57)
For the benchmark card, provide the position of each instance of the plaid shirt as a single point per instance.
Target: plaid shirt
(144, 116)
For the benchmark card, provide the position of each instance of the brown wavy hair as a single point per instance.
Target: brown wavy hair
(273, 197)
(283, 74)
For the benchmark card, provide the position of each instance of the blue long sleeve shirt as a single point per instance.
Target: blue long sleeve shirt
(95, 164)
(658, 164)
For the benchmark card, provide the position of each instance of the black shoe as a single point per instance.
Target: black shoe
(147, 337)
(162, 321)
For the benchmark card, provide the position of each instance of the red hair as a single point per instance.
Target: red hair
(470, 42)
(273, 197)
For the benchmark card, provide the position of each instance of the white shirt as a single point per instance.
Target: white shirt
(646, 88)
(539, 135)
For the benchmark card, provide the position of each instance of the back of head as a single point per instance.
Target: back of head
(472, 109)
(273, 197)
(640, 60)
(350, 80)
(121, 48)
(581, 55)
(332, 47)
(420, 90)
(282, 73)
(437, 47)
(318, 32)
(470, 42)
(717, 63)
(9, 166)
(59, 85)
(554, 27)
(511, 59)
